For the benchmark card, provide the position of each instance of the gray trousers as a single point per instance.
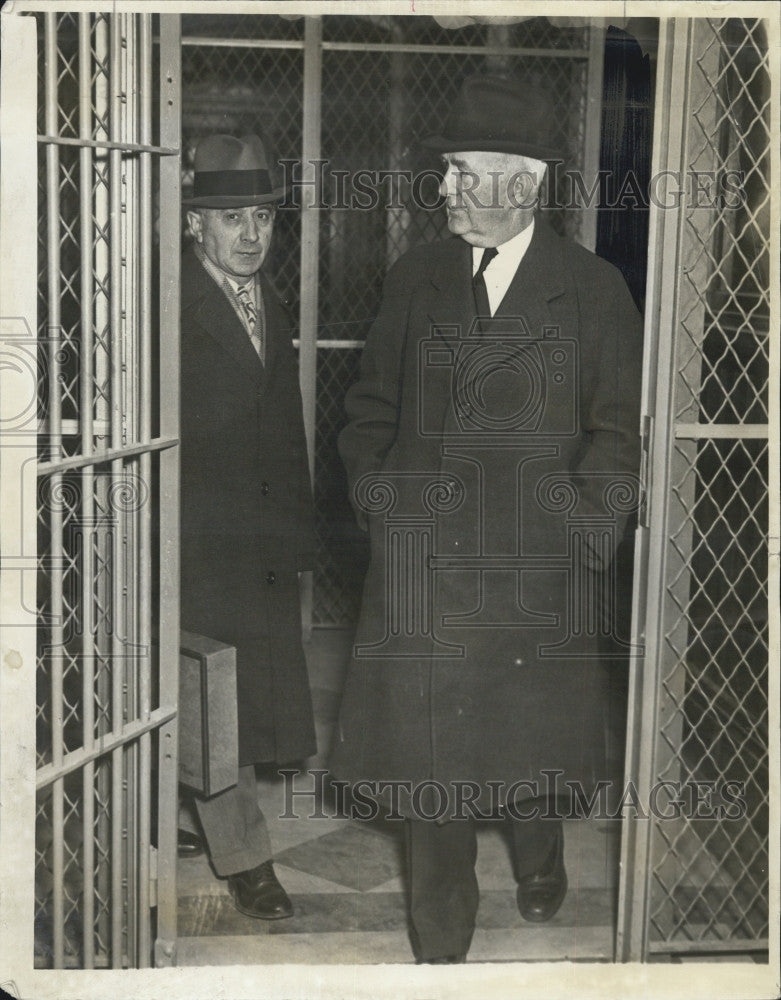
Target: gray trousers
(234, 827)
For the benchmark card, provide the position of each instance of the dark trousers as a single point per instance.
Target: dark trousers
(443, 886)
(234, 827)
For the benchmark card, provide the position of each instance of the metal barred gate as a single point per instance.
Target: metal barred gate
(696, 876)
(107, 579)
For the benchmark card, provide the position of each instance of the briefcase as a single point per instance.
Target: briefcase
(208, 715)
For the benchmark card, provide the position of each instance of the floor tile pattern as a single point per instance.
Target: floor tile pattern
(346, 879)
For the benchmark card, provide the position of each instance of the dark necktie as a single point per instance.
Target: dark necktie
(478, 286)
(246, 296)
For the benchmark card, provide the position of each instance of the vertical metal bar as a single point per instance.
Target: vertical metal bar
(397, 220)
(660, 319)
(774, 527)
(55, 493)
(310, 257)
(129, 513)
(115, 528)
(102, 531)
(144, 574)
(592, 133)
(170, 221)
(666, 867)
(19, 522)
(498, 37)
(86, 236)
(102, 57)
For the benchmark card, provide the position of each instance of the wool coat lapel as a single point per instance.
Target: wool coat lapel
(448, 305)
(216, 315)
(277, 325)
(451, 306)
(540, 292)
(540, 281)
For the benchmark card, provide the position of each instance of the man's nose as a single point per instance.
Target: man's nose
(250, 230)
(448, 186)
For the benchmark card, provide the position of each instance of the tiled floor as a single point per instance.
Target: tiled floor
(345, 878)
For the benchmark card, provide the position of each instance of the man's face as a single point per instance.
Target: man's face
(482, 198)
(235, 239)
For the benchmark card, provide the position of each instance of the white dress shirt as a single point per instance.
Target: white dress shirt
(501, 271)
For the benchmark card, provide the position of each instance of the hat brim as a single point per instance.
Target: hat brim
(466, 144)
(235, 201)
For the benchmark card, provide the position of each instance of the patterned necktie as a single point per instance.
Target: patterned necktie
(246, 297)
(478, 286)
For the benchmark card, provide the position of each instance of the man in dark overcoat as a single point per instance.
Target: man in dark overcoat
(492, 447)
(246, 504)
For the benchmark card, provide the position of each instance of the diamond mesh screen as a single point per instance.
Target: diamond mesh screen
(404, 98)
(236, 26)
(535, 33)
(341, 558)
(709, 866)
(726, 376)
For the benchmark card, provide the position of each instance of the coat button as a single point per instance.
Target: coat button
(265, 489)
(271, 577)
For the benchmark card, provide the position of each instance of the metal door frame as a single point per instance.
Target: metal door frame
(660, 428)
(18, 435)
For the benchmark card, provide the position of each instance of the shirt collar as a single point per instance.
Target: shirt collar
(511, 252)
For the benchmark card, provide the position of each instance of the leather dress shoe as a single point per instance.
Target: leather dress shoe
(189, 845)
(257, 893)
(541, 894)
(443, 960)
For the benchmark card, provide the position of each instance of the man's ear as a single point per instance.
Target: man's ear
(195, 222)
(525, 192)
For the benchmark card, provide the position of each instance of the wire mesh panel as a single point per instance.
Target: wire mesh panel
(99, 709)
(342, 554)
(707, 875)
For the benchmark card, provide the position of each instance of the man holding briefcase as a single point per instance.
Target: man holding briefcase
(246, 504)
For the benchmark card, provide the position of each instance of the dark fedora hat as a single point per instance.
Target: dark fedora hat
(232, 173)
(494, 114)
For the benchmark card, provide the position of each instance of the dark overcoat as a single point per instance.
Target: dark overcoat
(246, 510)
(497, 471)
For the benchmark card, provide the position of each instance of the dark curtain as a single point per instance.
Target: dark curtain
(625, 152)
